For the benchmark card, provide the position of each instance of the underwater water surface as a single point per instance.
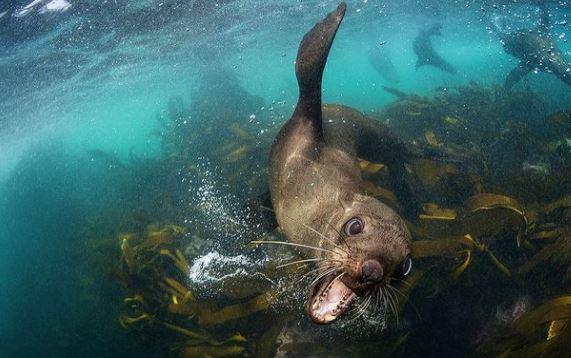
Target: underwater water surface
(134, 143)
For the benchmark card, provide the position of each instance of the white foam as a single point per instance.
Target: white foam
(51, 6)
(28, 8)
(55, 6)
(214, 267)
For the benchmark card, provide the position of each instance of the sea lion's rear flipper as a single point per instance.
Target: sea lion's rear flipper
(311, 59)
(396, 92)
(515, 75)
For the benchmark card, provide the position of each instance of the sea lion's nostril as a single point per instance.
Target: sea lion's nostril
(372, 271)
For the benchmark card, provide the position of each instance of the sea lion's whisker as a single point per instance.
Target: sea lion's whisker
(324, 238)
(362, 302)
(402, 281)
(340, 236)
(393, 305)
(322, 276)
(406, 299)
(292, 244)
(368, 303)
(314, 270)
(377, 301)
(312, 229)
(384, 299)
(363, 307)
(307, 261)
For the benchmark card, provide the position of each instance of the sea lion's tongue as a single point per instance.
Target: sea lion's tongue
(330, 301)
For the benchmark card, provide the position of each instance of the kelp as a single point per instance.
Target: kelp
(481, 215)
(545, 331)
(488, 221)
(461, 248)
(209, 317)
(155, 273)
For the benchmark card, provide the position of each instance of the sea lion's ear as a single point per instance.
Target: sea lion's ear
(310, 62)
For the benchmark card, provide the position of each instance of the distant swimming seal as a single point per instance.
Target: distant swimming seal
(359, 243)
(536, 50)
(427, 56)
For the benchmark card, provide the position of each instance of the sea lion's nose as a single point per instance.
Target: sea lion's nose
(372, 271)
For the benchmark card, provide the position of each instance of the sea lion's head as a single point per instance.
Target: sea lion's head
(370, 248)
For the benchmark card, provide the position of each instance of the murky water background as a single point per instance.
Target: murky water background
(117, 115)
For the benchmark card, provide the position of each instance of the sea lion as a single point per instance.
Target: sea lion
(359, 244)
(422, 47)
(535, 49)
(380, 59)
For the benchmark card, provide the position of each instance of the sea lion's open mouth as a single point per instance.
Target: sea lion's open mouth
(329, 299)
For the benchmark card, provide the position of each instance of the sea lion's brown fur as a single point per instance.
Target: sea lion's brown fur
(314, 180)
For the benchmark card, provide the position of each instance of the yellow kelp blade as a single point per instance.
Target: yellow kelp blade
(481, 215)
(237, 338)
(464, 245)
(211, 351)
(430, 138)
(179, 260)
(498, 263)
(126, 321)
(430, 173)
(540, 257)
(557, 327)
(560, 204)
(238, 153)
(241, 133)
(369, 167)
(460, 269)
(441, 247)
(260, 303)
(183, 309)
(556, 309)
(490, 214)
(186, 332)
(543, 332)
(128, 252)
(181, 290)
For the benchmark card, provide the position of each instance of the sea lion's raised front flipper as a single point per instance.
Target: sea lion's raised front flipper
(310, 62)
(515, 75)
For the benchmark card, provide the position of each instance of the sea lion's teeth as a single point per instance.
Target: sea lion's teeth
(328, 318)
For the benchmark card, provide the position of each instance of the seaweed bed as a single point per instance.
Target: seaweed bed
(492, 250)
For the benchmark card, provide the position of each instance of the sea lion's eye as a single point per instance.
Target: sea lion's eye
(406, 266)
(353, 227)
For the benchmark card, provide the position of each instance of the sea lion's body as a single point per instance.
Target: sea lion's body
(309, 179)
(536, 50)
(425, 52)
(315, 186)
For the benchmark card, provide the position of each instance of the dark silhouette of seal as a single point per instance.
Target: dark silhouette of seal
(427, 56)
(535, 49)
(359, 244)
